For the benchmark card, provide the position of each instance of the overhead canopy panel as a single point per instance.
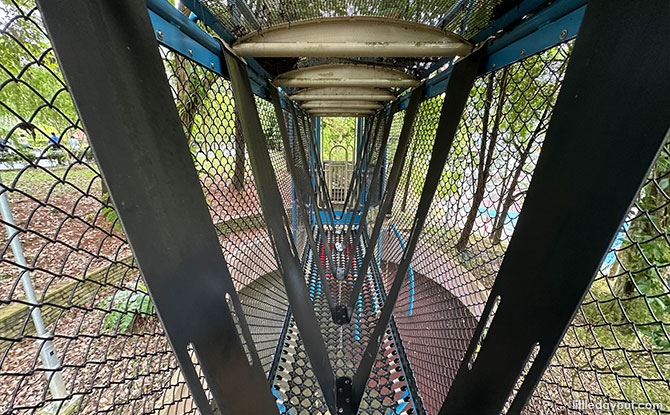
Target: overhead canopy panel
(362, 105)
(341, 114)
(345, 75)
(361, 36)
(340, 110)
(343, 94)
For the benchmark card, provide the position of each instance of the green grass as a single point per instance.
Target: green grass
(37, 181)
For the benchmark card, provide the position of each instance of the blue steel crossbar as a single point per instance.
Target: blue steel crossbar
(551, 26)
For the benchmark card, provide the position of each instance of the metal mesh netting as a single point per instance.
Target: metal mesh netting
(472, 216)
(66, 263)
(65, 260)
(615, 357)
(206, 105)
(465, 17)
(295, 384)
(461, 16)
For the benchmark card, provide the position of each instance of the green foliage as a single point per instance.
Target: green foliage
(645, 244)
(125, 307)
(34, 89)
(19, 152)
(109, 213)
(338, 131)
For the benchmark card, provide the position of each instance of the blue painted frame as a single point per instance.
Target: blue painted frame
(551, 26)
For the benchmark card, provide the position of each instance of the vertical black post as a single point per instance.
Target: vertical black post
(458, 90)
(278, 226)
(109, 56)
(611, 118)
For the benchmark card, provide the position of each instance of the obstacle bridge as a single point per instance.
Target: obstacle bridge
(341, 207)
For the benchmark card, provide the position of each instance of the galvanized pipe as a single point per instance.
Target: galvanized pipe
(45, 345)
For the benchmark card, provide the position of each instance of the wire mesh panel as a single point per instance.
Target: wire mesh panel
(615, 356)
(463, 17)
(207, 108)
(78, 331)
(472, 216)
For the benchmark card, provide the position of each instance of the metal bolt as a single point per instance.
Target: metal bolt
(190, 52)
(347, 400)
(564, 34)
(211, 64)
(494, 65)
(159, 34)
(523, 52)
(340, 410)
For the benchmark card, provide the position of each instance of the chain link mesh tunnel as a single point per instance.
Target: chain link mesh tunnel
(89, 341)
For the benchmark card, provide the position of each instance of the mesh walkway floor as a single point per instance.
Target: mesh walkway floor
(294, 386)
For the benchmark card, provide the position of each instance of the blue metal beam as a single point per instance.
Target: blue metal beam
(181, 34)
(546, 36)
(175, 31)
(551, 26)
(220, 29)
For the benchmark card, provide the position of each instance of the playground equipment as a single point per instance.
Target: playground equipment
(194, 254)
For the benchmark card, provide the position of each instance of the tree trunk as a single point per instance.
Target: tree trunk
(240, 157)
(510, 196)
(485, 156)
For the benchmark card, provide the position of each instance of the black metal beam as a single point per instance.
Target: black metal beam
(110, 59)
(315, 205)
(360, 151)
(611, 118)
(280, 234)
(457, 93)
(375, 176)
(392, 184)
(318, 168)
(302, 198)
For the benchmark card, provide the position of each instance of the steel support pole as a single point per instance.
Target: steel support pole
(45, 346)
(394, 178)
(610, 120)
(277, 222)
(457, 93)
(117, 80)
